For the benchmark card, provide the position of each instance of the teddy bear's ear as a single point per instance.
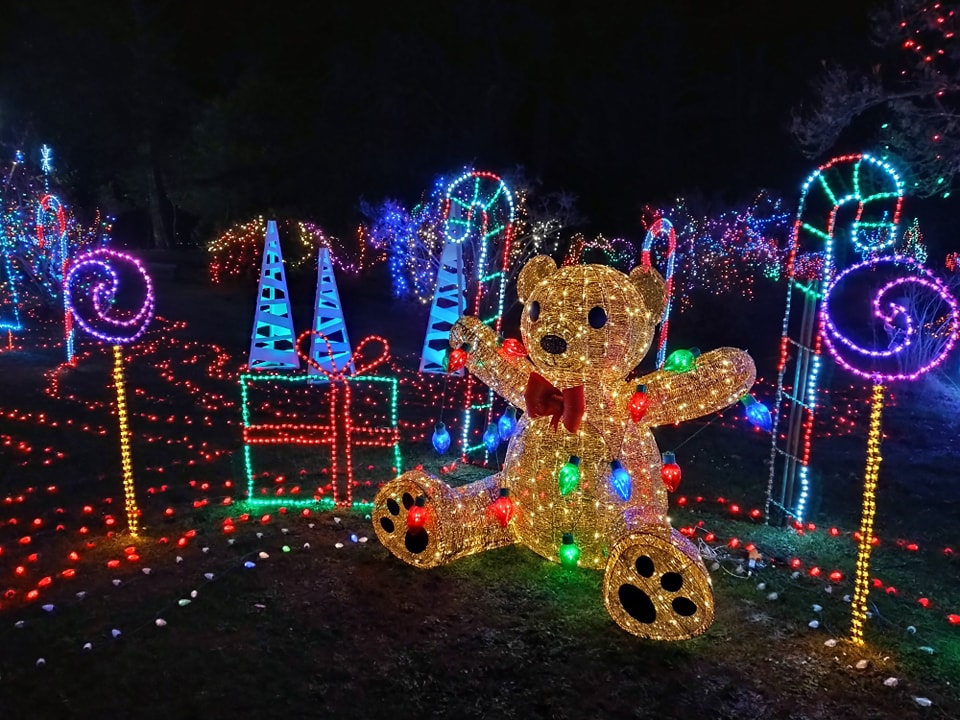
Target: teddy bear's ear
(533, 272)
(652, 289)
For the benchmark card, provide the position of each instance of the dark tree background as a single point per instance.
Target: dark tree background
(196, 114)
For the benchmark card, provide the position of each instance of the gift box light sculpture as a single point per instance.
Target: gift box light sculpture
(903, 330)
(582, 470)
(91, 286)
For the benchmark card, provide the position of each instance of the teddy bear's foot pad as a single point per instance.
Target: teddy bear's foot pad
(409, 538)
(426, 523)
(657, 588)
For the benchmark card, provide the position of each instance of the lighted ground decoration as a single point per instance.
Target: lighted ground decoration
(210, 577)
(874, 190)
(91, 289)
(583, 481)
(849, 348)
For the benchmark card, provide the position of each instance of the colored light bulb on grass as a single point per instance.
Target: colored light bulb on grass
(441, 439)
(569, 476)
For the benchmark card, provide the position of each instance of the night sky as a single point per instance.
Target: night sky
(308, 106)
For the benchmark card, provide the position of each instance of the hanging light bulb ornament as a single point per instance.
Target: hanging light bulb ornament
(457, 359)
(569, 476)
(507, 423)
(681, 361)
(503, 508)
(569, 552)
(670, 472)
(620, 480)
(514, 348)
(491, 437)
(639, 403)
(441, 439)
(757, 413)
(418, 515)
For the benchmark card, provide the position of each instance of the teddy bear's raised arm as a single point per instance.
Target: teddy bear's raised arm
(719, 379)
(506, 374)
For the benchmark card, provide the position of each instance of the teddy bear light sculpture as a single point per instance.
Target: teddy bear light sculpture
(584, 328)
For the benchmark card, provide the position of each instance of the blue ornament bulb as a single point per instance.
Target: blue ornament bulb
(759, 416)
(621, 480)
(491, 437)
(507, 424)
(441, 439)
(757, 413)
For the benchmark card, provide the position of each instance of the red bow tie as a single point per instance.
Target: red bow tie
(542, 398)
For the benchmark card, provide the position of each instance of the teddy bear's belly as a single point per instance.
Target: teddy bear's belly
(593, 513)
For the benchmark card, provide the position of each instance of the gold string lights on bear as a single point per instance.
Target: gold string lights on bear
(582, 472)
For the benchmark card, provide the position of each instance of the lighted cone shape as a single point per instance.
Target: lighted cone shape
(569, 476)
(620, 480)
(491, 437)
(639, 403)
(418, 515)
(670, 472)
(569, 552)
(681, 361)
(507, 424)
(441, 439)
(503, 508)
(456, 360)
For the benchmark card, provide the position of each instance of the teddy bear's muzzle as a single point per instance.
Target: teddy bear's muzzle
(553, 344)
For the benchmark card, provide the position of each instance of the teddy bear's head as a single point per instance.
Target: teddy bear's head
(582, 322)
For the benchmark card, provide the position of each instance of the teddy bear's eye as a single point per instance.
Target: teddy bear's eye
(597, 317)
(534, 310)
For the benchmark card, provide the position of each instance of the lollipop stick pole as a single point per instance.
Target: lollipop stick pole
(862, 584)
(130, 497)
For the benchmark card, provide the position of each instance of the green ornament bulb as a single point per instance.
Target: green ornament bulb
(569, 475)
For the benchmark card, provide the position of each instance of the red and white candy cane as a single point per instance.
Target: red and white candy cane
(662, 227)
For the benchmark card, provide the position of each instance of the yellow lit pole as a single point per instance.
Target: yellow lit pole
(861, 588)
(129, 493)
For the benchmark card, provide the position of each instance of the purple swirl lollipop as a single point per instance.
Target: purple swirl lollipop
(91, 288)
(901, 329)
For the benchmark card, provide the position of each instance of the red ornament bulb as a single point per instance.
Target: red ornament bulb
(503, 508)
(417, 515)
(457, 360)
(638, 403)
(512, 346)
(670, 472)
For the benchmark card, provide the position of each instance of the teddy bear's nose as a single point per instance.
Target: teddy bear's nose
(553, 344)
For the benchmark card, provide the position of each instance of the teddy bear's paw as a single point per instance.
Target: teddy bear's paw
(658, 588)
(405, 518)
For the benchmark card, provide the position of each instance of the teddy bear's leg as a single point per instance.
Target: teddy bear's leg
(656, 586)
(455, 521)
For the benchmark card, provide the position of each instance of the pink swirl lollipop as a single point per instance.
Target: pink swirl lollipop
(905, 315)
(901, 330)
(92, 284)
(93, 307)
